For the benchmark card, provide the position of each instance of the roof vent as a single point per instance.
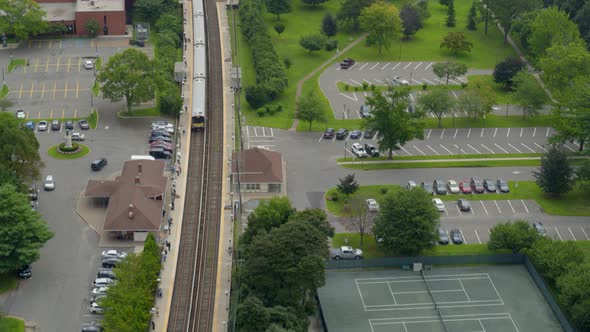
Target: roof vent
(139, 168)
(92, 3)
(137, 180)
(131, 211)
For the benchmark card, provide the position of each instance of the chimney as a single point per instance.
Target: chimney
(139, 168)
(131, 211)
(92, 3)
(137, 180)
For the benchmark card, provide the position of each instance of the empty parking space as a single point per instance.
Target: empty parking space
(480, 207)
(261, 137)
(50, 90)
(54, 64)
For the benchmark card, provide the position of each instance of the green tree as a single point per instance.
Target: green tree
(22, 18)
(450, 14)
(528, 93)
(505, 71)
(349, 13)
(390, 118)
(357, 216)
(477, 100)
(562, 64)
(252, 315)
(555, 174)
(552, 27)
(314, 3)
(583, 173)
(443, 2)
(127, 74)
(316, 218)
(515, 236)
(381, 21)
(279, 27)
(19, 149)
(7, 177)
(411, 20)
(92, 27)
(457, 43)
(267, 215)
(522, 27)
(574, 294)
(506, 11)
(472, 18)
(552, 258)
(437, 102)
(149, 9)
(313, 42)
(309, 109)
(582, 19)
(348, 185)
(170, 22)
(449, 70)
(407, 222)
(22, 231)
(329, 25)
(170, 101)
(278, 7)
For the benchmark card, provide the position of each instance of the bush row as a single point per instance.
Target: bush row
(271, 78)
(168, 51)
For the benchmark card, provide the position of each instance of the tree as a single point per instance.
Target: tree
(316, 218)
(287, 62)
(278, 7)
(252, 315)
(407, 222)
(92, 26)
(555, 176)
(450, 14)
(266, 216)
(443, 2)
(529, 94)
(411, 20)
(350, 12)
(508, 10)
(149, 9)
(314, 3)
(381, 21)
(449, 70)
(169, 22)
(505, 71)
(279, 27)
(552, 258)
(22, 231)
(348, 185)
(22, 18)
(313, 42)
(572, 119)
(457, 43)
(582, 19)
(329, 25)
(357, 215)
(562, 64)
(437, 102)
(309, 110)
(127, 74)
(477, 100)
(549, 28)
(574, 294)
(583, 173)
(472, 18)
(19, 149)
(523, 27)
(395, 124)
(515, 236)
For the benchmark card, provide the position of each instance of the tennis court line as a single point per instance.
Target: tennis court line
(431, 306)
(420, 280)
(431, 276)
(446, 318)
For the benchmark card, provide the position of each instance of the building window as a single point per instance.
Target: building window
(252, 186)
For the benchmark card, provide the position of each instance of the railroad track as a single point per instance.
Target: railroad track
(194, 285)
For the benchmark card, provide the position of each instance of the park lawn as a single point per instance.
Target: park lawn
(4, 91)
(345, 87)
(302, 20)
(445, 164)
(375, 191)
(438, 157)
(503, 96)
(8, 281)
(12, 324)
(15, 63)
(425, 44)
(142, 112)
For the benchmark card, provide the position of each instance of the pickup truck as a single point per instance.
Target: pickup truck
(346, 252)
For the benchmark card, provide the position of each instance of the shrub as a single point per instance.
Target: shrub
(346, 87)
(62, 147)
(335, 197)
(331, 44)
(261, 111)
(356, 88)
(373, 87)
(272, 111)
(257, 95)
(424, 86)
(463, 85)
(384, 190)
(280, 108)
(365, 86)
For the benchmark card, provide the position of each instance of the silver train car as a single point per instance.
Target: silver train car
(199, 97)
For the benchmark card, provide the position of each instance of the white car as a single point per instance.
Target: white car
(358, 150)
(42, 126)
(114, 253)
(400, 81)
(372, 205)
(438, 203)
(95, 308)
(411, 184)
(88, 64)
(103, 282)
(164, 128)
(20, 114)
(78, 137)
(453, 187)
(99, 290)
(49, 183)
(163, 123)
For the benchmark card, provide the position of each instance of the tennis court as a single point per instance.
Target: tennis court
(500, 298)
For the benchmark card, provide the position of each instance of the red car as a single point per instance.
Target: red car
(161, 143)
(465, 187)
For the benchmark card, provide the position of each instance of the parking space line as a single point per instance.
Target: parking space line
(69, 63)
(79, 64)
(51, 114)
(411, 97)
(429, 82)
(387, 64)
(36, 64)
(377, 64)
(547, 134)
(355, 82)
(433, 150)
(454, 94)
(32, 88)
(495, 131)
(509, 203)
(57, 65)
(418, 65)
(501, 148)
(367, 81)
(347, 96)
(478, 239)
(77, 88)
(54, 87)
(43, 89)
(352, 66)
(540, 147)
(521, 131)
(498, 207)
(459, 148)
(20, 94)
(567, 146)
(363, 66)
(462, 79)
(576, 143)
(583, 231)
(379, 81)
(485, 147)
(484, 208)
(558, 233)
(399, 63)
(457, 206)
(409, 64)
(481, 135)
(469, 133)
(512, 146)
(456, 131)
(525, 208)
(534, 131)
(441, 134)
(508, 133)
(47, 65)
(355, 99)
(419, 150)
(271, 132)
(572, 233)
(429, 132)
(442, 146)
(472, 148)
(66, 90)
(464, 239)
(430, 64)
(75, 113)
(527, 147)
(406, 151)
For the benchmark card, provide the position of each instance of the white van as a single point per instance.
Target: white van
(142, 157)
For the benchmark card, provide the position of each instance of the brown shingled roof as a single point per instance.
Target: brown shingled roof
(133, 205)
(259, 166)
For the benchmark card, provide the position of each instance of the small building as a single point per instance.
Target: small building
(259, 171)
(135, 199)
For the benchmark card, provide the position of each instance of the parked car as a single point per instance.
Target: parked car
(160, 132)
(489, 185)
(358, 150)
(365, 112)
(439, 187)
(106, 274)
(84, 125)
(114, 253)
(465, 187)
(160, 138)
(329, 133)
(503, 186)
(161, 145)
(164, 124)
(49, 183)
(427, 187)
(42, 125)
(69, 124)
(476, 185)
(78, 137)
(55, 125)
(98, 164)
(346, 252)
(443, 238)
(160, 153)
(99, 290)
(92, 328)
(164, 128)
(400, 81)
(438, 203)
(110, 262)
(368, 134)
(96, 309)
(25, 272)
(20, 114)
(102, 282)
(97, 297)
(453, 187)
(347, 63)
(167, 144)
(341, 133)
(88, 64)
(464, 205)
(372, 150)
(411, 184)
(30, 125)
(538, 226)
(372, 205)
(33, 193)
(355, 134)
(456, 236)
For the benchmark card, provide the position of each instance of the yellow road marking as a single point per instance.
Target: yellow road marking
(57, 66)
(20, 95)
(69, 60)
(75, 113)
(63, 111)
(36, 64)
(39, 115)
(47, 65)
(51, 114)
(77, 88)
(79, 64)
(32, 88)
(43, 90)
(54, 86)
(50, 43)
(66, 90)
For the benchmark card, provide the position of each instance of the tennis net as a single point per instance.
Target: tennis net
(436, 308)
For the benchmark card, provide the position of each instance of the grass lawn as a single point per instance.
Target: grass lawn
(93, 119)
(492, 121)
(445, 164)
(98, 63)
(15, 63)
(12, 324)
(461, 156)
(52, 152)
(503, 96)
(95, 88)
(425, 45)
(144, 112)
(377, 192)
(8, 281)
(4, 91)
(585, 247)
(344, 87)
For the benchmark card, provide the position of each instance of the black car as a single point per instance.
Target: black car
(368, 134)
(110, 262)
(25, 272)
(55, 125)
(456, 236)
(160, 138)
(106, 274)
(98, 164)
(161, 133)
(160, 153)
(503, 186)
(372, 150)
(489, 185)
(33, 193)
(443, 238)
(464, 205)
(329, 133)
(427, 187)
(476, 185)
(341, 133)
(440, 187)
(69, 124)
(355, 134)
(83, 124)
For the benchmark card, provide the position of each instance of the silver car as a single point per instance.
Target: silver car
(49, 183)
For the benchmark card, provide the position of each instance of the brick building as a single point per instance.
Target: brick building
(110, 14)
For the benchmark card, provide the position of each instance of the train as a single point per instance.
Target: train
(199, 97)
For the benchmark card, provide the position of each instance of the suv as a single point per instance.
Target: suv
(341, 133)
(365, 111)
(329, 133)
(372, 150)
(98, 164)
(439, 187)
(25, 272)
(160, 153)
(84, 125)
(443, 238)
(69, 124)
(55, 125)
(358, 150)
(347, 63)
